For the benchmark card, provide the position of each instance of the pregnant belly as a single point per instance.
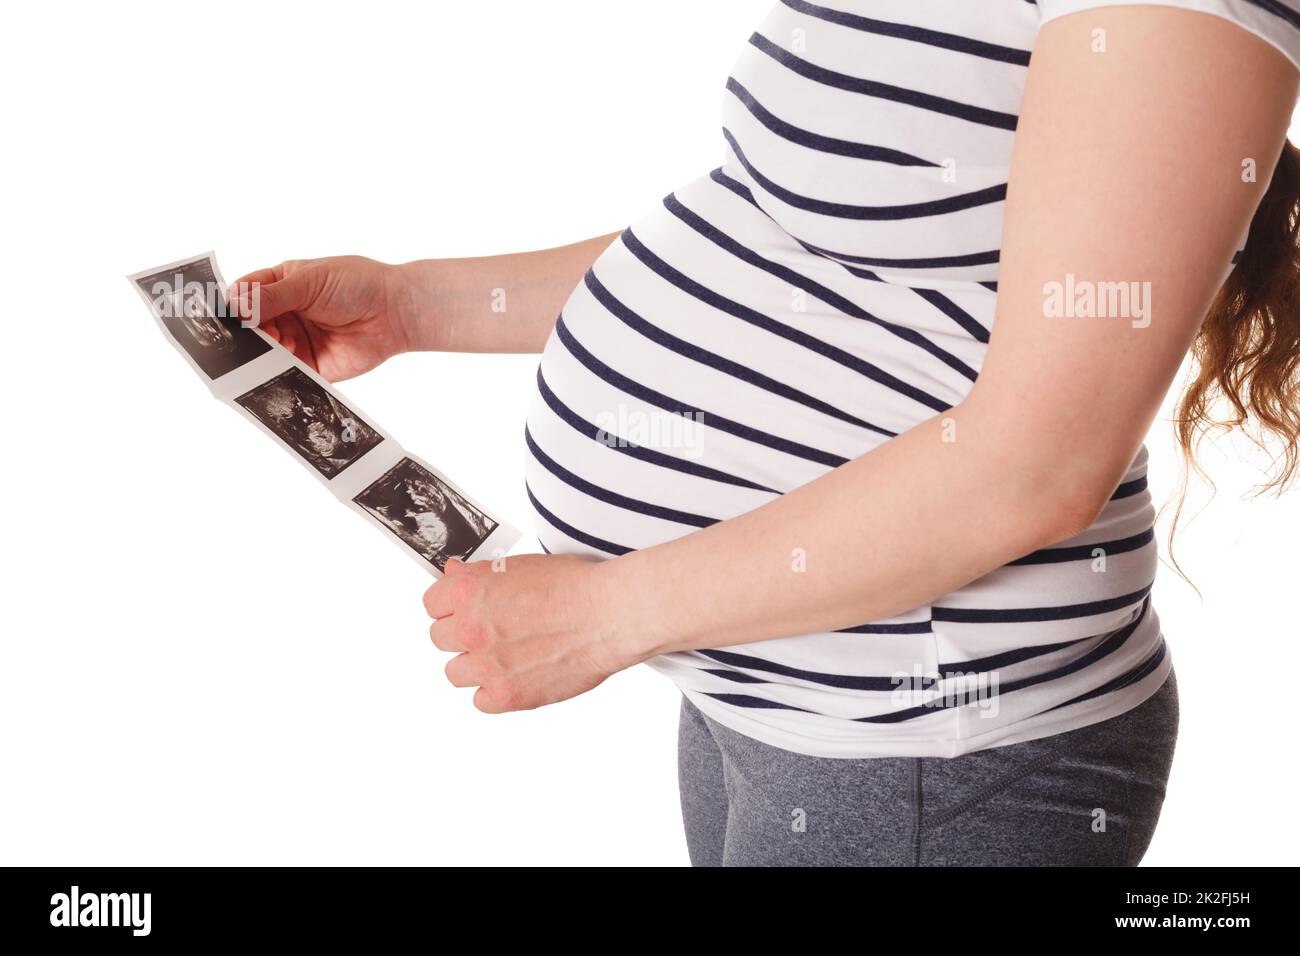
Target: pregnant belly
(707, 363)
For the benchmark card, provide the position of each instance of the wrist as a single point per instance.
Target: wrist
(416, 302)
(634, 615)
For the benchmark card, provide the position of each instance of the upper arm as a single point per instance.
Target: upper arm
(1127, 168)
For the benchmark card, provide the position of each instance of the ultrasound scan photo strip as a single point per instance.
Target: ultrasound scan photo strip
(416, 506)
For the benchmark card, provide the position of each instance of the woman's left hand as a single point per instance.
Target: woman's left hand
(536, 630)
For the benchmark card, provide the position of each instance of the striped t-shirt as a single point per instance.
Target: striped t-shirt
(830, 286)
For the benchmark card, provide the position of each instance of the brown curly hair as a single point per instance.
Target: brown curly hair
(1247, 352)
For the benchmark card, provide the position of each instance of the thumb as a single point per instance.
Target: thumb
(258, 302)
(453, 566)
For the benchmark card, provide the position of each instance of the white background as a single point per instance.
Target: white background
(204, 659)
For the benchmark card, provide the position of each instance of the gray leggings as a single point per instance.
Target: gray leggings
(1088, 797)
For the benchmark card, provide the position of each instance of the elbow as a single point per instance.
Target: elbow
(1053, 485)
(1066, 511)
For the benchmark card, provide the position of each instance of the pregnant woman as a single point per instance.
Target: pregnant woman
(845, 437)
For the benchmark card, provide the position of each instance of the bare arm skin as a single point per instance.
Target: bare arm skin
(344, 315)
(1127, 168)
(448, 303)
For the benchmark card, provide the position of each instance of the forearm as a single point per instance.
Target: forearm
(505, 303)
(892, 530)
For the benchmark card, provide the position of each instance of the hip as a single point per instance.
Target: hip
(1089, 796)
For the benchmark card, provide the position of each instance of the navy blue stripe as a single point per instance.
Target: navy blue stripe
(884, 91)
(1139, 672)
(1142, 670)
(740, 189)
(1084, 552)
(932, 262)
(715, 361)
(758, 703)
(648, 455)
(939, 704)
(818, 142)
(1280, 10)
(936, 262)
(1017, 615)
(1130, 488)
(872, 683)
(839, 210)
(844, 681)
(947, 701)
(612, 497)
(650, 396)
(851, 270)
(1109, 646)
(756, 318)
(1104, 649)
(905, 31)
(816, 289)
(907, 627)
(1005, 659)
(600, 544)
(954, 312)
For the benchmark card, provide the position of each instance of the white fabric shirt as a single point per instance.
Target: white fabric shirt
(830, 286)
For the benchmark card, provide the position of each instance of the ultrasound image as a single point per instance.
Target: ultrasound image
(432, 518)
(311, 421)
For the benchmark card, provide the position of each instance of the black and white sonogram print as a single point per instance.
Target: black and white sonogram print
(432, 519)
(190, 303)
(311, 421)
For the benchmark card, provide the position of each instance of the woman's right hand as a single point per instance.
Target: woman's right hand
(340, 315)
(346, 314)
